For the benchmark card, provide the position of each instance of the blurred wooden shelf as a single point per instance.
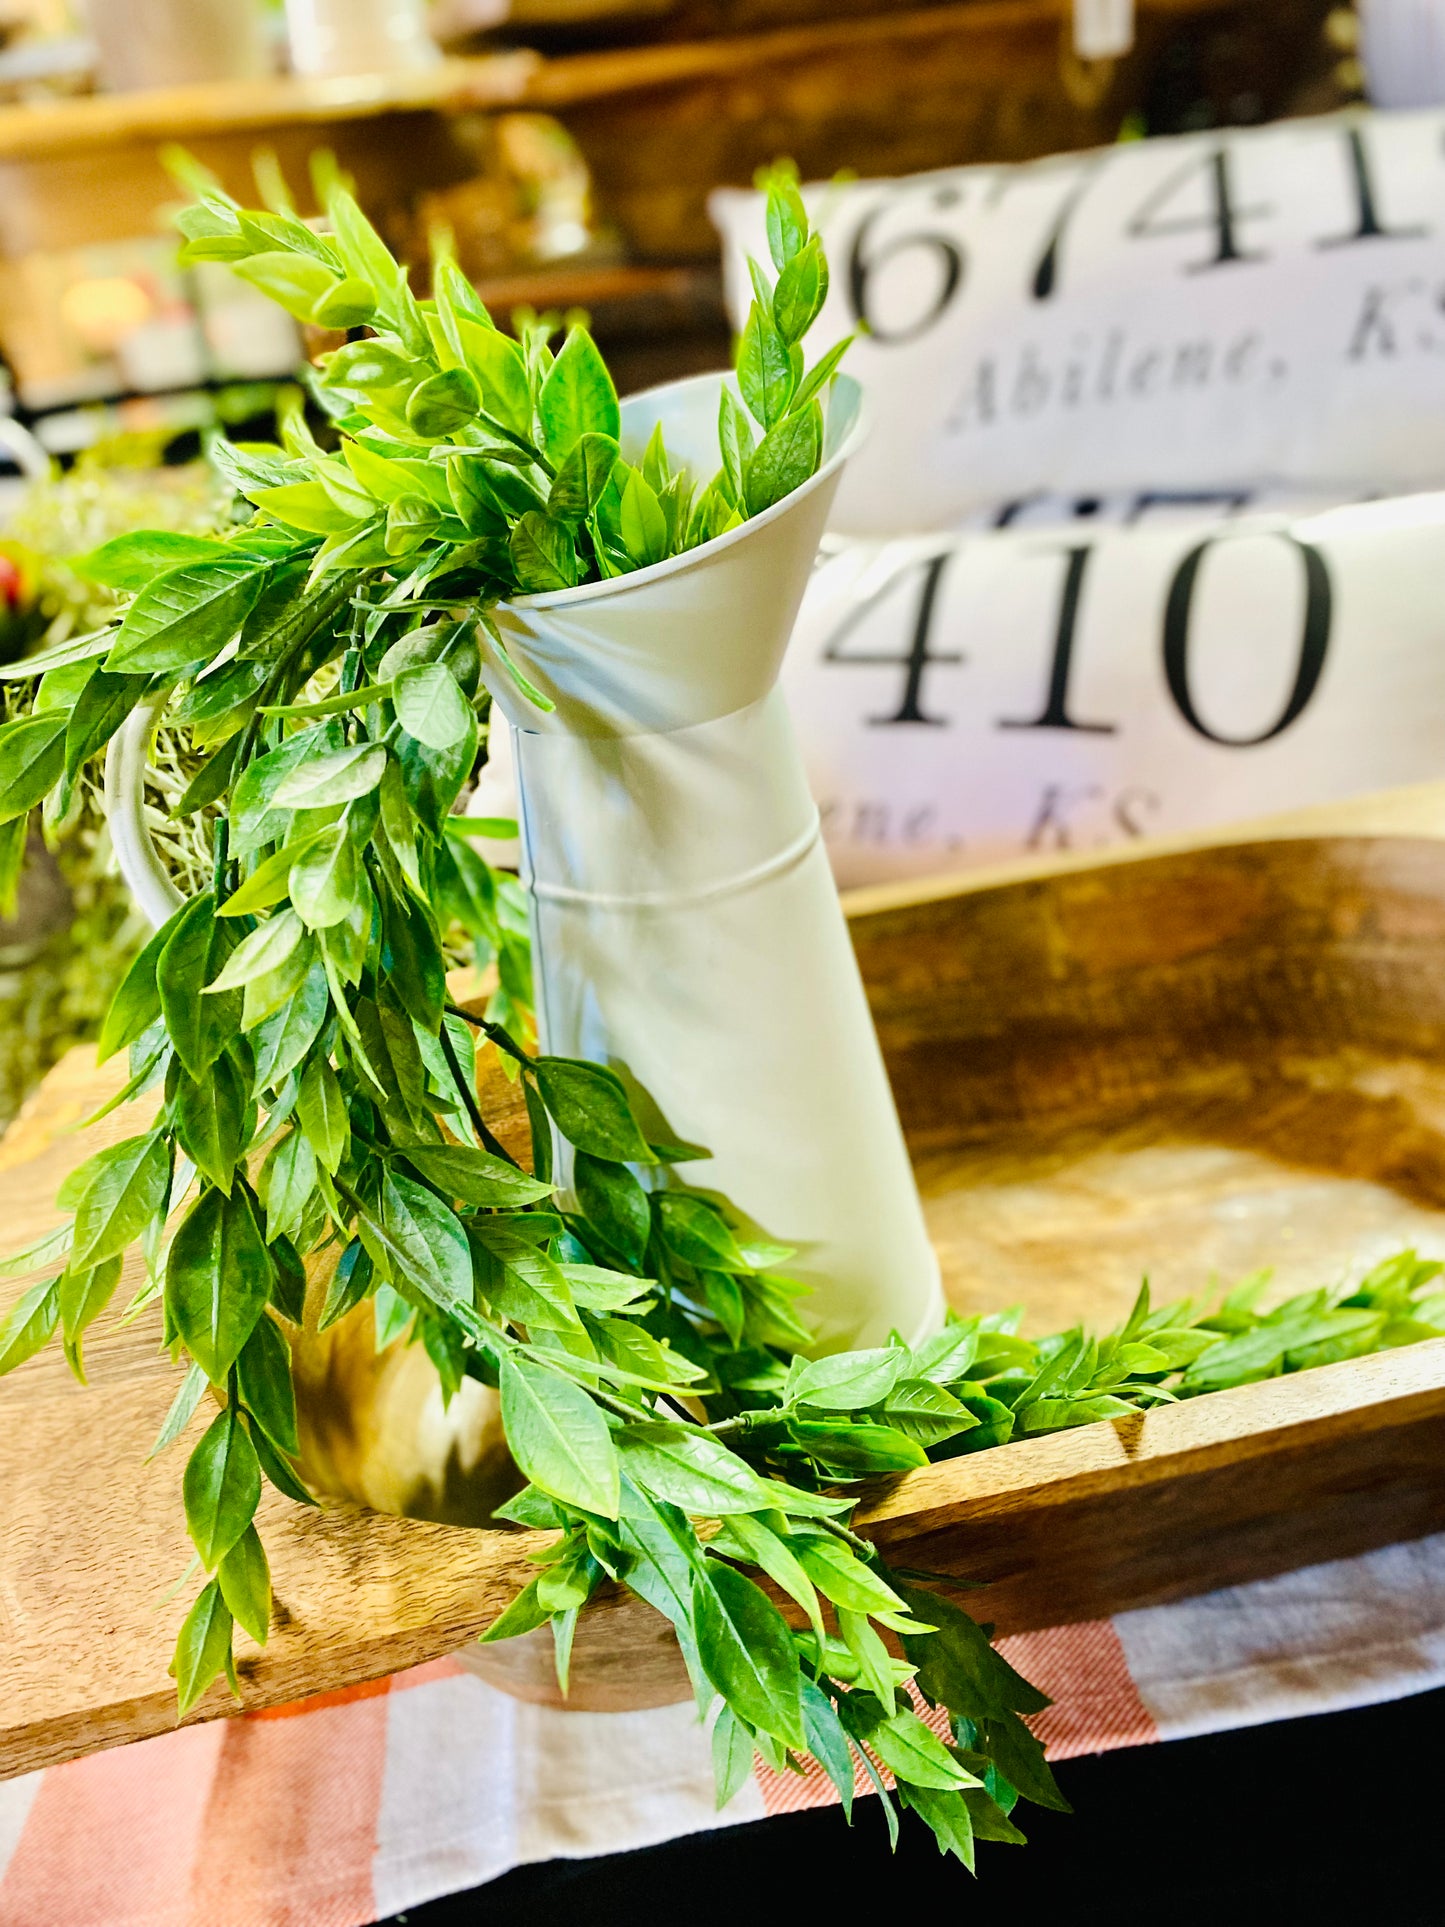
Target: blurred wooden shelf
(1200, 1056)
(40, 130)
(661, 124)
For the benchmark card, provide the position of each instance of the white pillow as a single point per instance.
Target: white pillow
(964, 699)
(1252, 306)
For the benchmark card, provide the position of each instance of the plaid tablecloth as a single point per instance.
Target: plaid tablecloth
(351, 1806)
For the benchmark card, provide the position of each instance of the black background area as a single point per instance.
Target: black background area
(1333, 1818)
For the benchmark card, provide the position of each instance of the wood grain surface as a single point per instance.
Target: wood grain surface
(1188, 1059)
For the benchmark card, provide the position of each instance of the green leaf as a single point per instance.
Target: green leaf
(519, 1280)
(14, 837)
(306, 506)
(349, 304)
(186, 616)
(273, 989)
(762, 1547)
(559, 1437)
(283, 1040)
(476, 1177)
(183, 1405)
(844, 1578)
(209, 1117)
(430, 1236)
(32, 761)
(875, 1667)
(131, 562)
(367, 368)
(571, 1579)
(926, 1412)
(500, 369)
(203, 1648)
(643, 523)
(578, 397)
(385, 479)
(784, 459)
(912, 1752)
(736, 441)
(210, 781)
(766, 378)
(84, 1295)
(849, 1381)
(269, 882)
(265, 950)
(601, 1290)
(612, 1199)
(543, 554)
(29, 1324)
(222, 702)
(639, 1359)
(362, 249)
(732, 1755)
(957, 1666)
(222, 1487)
(350, 1284)
(690, 1469)
(856, 1450)
(443, 403)
(430, 705)
(287, 1181)
(278, 1470)
(339, 776)
(524, 1614)
(828, 1743)
(321, 1110)
(325, 881)
(136, 1004)
(820, 374)
(801, 291)
(199, 1027)
(581, 478)
(787, 221)
(100, 709)
(412, 961)
(410, 521)
(473, 497)
(54, 1245)
(590, 1106)
(125, 1186)
(391, 1315)
(392, 1052)
(694, 1230)
(254, 818)
(947, 1356)
(747, 1651)
(73, 649)
(267, 1392)
(245, 1581)
(218, 1278)
(950, 1818)
(290, 280)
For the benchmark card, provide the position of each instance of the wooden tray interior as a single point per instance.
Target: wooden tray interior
(1189, 1066)
(1183, 1064)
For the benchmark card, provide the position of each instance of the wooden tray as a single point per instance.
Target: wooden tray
(1198, 1057)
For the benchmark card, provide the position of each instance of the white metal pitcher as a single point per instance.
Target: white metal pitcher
(685, 920)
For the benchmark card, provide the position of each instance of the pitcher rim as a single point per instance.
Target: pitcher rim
(691, 558)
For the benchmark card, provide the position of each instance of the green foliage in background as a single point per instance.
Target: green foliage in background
(65, 943)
